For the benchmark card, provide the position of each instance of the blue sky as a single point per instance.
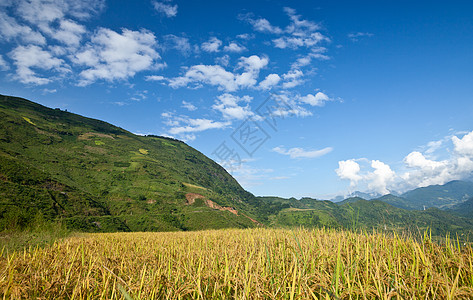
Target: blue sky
(294, 98)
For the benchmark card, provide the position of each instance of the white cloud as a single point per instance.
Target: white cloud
(223, 61)
(245, 36)
(208, 74)
(3, 64)
(316, 53)
(189, 106)
(349, 169)
(111, 55)
(185, 127)
(155, 78)
(464, 146)
(301, 153)
(179, 43)
(234, 47)
(381, 178)
(286, 106)
(166, 9)
(433, 146)
(270, 81)
(228, 105)
(32, 56)
(213, 45)
(355, 36)
(217, 76)
(51, 17)
(198, 125)
(10, 29)
(41, 12)
(263, 25)
(292, 79)
(253, 63)
(294, 42)
(69, 32)
(298, 26)
(378, 180)
(422, 171)
(318, 99)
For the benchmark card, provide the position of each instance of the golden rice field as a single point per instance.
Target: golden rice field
(239, 264)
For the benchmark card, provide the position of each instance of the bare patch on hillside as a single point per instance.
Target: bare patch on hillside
(190, 198)
(89, 135)
(96, 150)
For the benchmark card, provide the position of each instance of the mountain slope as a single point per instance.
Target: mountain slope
(440, 196)
(357, 213)
(98, 177)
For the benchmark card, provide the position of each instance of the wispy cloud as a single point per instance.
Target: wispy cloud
(356, 36)
(189, 106)
(168, 10)
(185, 127)
(302, 153)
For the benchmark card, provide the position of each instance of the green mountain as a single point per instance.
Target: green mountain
(464, 209)
(93, 176)
(441, 196)
(357, 213)
(399, 202)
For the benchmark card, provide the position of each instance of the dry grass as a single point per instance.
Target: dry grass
(241, 264)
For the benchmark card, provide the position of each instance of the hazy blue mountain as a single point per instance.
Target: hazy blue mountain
(441, 196)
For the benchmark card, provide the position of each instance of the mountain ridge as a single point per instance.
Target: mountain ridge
(133, 182)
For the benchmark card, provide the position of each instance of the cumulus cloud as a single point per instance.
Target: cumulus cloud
(349, 169)
(293, 78)
(318, 99)
(69, 32)
(217, 76)
(54, 18)
(40, 12)
(269, 82)
(464, 146)
(421, 169)
(301, 153)
(234, 47)
(168, 10)
(31, 57)
(228, 105)
(10, 29)
(213, 45)
(381, 178)
(111, 55)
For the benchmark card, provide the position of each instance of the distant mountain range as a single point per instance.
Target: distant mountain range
(444, 196)
(56, 166)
